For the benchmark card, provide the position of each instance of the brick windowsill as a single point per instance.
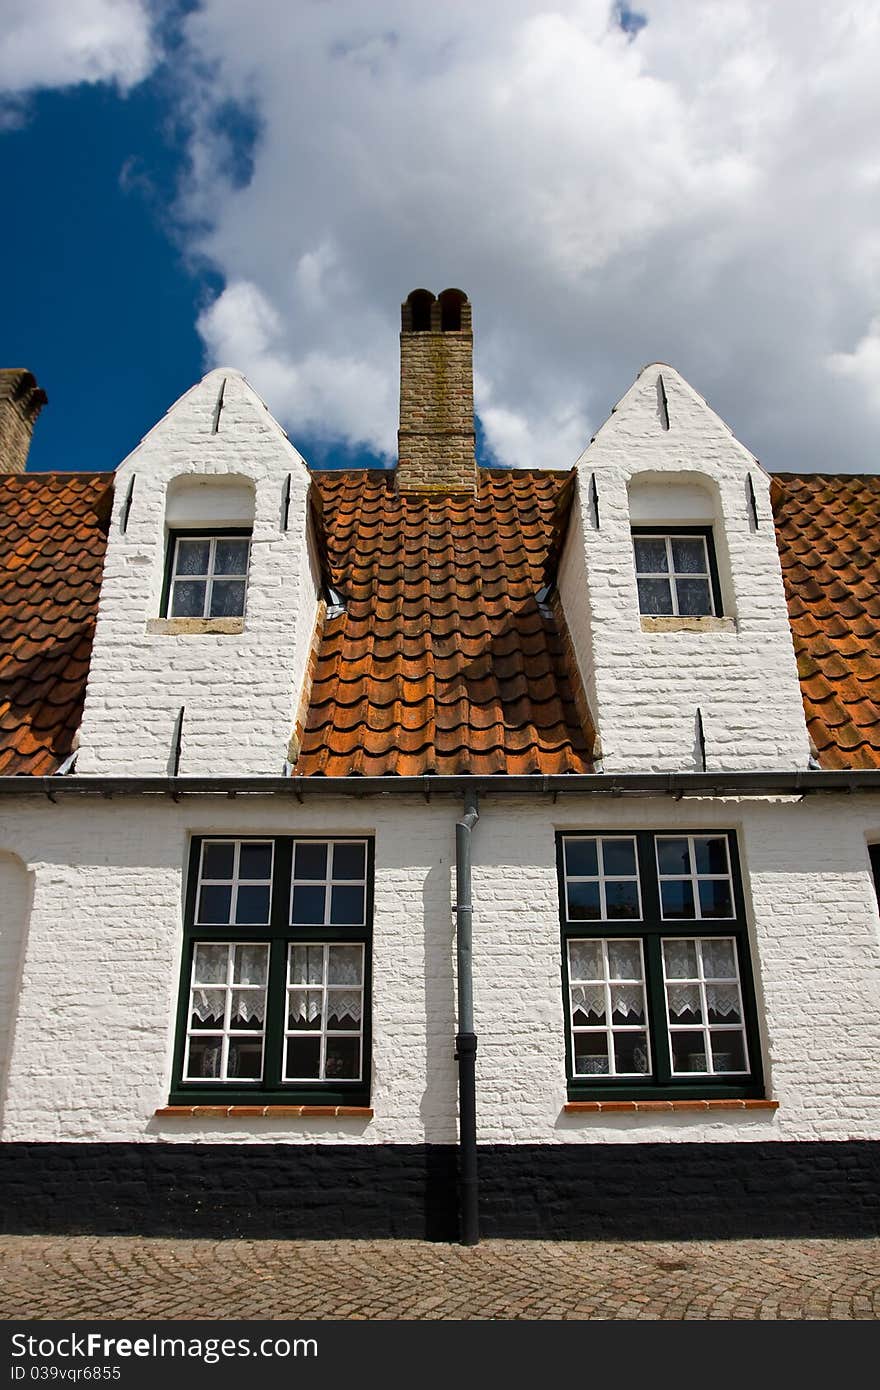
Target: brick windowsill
(271, 1112)
(627, 1107)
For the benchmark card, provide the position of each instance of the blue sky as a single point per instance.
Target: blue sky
(101, 306)
(200, 183)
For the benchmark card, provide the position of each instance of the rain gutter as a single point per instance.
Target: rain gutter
(675, 784)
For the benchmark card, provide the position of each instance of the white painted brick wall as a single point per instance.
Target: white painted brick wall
(92, 1053)
(645, 687)
(15, 889)
(242, 691)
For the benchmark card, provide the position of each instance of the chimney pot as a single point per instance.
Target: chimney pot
(436, 439)
(21, 401)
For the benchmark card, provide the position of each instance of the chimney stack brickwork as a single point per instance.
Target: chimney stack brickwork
(436, 439)
(21, 401)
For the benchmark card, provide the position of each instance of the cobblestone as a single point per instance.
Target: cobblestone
(115, 1277)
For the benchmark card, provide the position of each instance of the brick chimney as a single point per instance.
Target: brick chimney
(436, 441)
(21, 401)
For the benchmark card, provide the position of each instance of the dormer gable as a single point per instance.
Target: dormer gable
(210, 595)
(672, 590)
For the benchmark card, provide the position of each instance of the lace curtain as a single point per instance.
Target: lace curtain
(304, 1006)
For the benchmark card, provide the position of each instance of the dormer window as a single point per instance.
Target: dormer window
(676, 572)
(208, 574)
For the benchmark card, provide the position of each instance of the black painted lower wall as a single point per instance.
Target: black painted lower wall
(552, 1191)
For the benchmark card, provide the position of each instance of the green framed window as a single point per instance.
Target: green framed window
(206, 574)
(275, 974)
(657, 979)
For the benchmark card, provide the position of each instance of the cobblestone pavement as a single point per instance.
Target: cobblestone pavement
(115, 1277)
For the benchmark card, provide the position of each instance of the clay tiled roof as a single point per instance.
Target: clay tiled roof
(443, 661)
(52, 539)
(828, 531)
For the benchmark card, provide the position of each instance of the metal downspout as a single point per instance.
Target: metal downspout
(466, 1038)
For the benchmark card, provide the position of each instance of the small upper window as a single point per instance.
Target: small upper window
(676, 573)
(208, 575)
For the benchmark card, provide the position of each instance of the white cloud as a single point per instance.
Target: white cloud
(58, 43)
(705, 194)
(862, 366)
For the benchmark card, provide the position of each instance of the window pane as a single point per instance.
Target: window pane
(255, 860)
(650, 555)
(587, 1005)
(583, 902)
(215, 903)
(719, 958)
(227, 598)
(631, 1053)
(711, 854)
(585, 960)
(304, 1009)
(306, 965)
(211, 964)
(673, 856)
(218, 859)
(245, 1059)
(310, 859)
(346, 906)
(344, 967)
(622, 899)
(683, 1002)
(619, 858)
(715, 899)
(248, 1009)
(208, 1008)
(627, 1005)
(591, 1054)
(188, 600)
(303, 1058)
(250, 965)
(722, 1003)
(680, 960)
(728, 1053)
(191, 557)
(231, 555)
(205, 1056)
(677, 896)
(581, 858)
(308, 905)
(655, 597)
(343, 1058)
(624, 960)
(689, 1052)
(349, 861)
(688, 555)
(694, 598)
(344, 1009)
(252, 904)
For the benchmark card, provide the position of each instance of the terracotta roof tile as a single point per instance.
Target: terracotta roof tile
(443, 661)
(52, 540)
(828, 532)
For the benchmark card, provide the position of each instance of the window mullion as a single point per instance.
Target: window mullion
(672, 584)
(657, 1008)
(209, 583)
(276, 1012)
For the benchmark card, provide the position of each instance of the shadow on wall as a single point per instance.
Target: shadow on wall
(16, 895)
(439, 1104)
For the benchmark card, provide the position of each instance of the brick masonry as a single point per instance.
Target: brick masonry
(614, 1192)
(644, 687)
(21, 401)
(436, 440)
(94, 1025)
(241, 691)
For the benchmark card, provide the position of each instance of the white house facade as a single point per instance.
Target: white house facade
(441, 852)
